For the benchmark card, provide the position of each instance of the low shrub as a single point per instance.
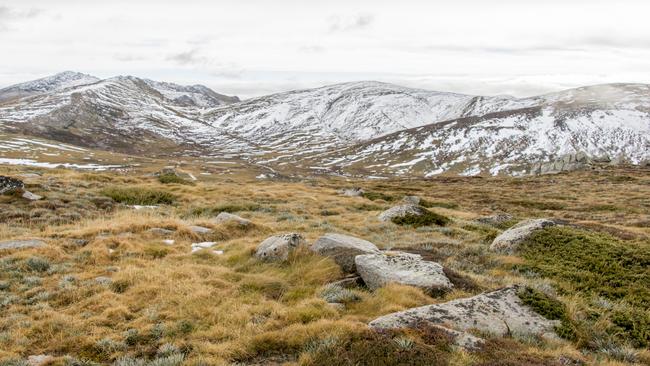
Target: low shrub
(139, 196)
(171, 178)
(549, 308)
(449, 205)
(374, 196)
(428, 218)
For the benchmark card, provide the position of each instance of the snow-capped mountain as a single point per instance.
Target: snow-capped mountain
(60, 81)
(362, 127)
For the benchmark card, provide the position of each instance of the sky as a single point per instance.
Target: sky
(256, 47)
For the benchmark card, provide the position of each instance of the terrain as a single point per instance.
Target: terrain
(107, 289)
(359, 129)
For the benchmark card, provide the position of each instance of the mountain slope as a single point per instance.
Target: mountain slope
(60, 81)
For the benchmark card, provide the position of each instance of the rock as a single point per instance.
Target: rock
(225, 217)
(10, 185)
(168, 241)
(160, 231)
(351, 281)
(495, 220)
(509, 240)
(143, 207)
(200, 229)
(203, 245)
(21, 244)
(378, 270)
(499, 312)
(343, 249)
(401, 211)
(352, 192)
(278, 247)
(411, 200)
(461, 339)
(31, 196)
(104, 281)
(80, 242)
(39, 360)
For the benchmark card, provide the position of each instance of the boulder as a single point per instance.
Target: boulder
(202, 245)
(39, 360)
(495, 220)
(499, 312)
(343, 249)
(509, 240)
(411, 200)
(278, 247)
(226, 217)
(378, 270)
(21, 244)
(401, 211)
(10, 185)
(352, 192)
(160, 231)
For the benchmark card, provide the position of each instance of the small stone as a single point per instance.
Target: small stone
(31, 196)
(21, 244)
(203, 245)
(352, 192)
(80, 242)
(104, 281)
(39, 360)
(168, 241)
(226, 217)
(495, 220)
(200, 230)
(160, 231)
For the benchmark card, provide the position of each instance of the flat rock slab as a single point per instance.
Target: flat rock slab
(278, 247)
(200, 229)
(378, 270)
(31, 196)
(202, 245)
(499, 312)
(509, 240)
(21, 244)
(343, 249)
(401, 211)
(227, 217)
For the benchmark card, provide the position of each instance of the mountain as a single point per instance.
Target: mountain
(359, 128)
(67, 79)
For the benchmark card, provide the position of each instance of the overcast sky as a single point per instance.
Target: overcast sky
(254, 47)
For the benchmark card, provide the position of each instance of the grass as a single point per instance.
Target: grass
(162, 300)
(171, 178)
(139, 196)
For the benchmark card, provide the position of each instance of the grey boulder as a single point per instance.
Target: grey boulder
(10, 185)
(343, 248)
(378, 270)
(401, 211)
(226, 217)
(352, 192)
(411, 200)
(278, 247)
(500, 312)
(508, 242)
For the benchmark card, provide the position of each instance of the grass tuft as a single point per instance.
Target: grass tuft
(139, 196)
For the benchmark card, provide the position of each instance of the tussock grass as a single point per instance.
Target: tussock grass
(139, 196)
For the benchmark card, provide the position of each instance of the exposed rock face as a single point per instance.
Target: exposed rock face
(401, 211)
(225, 217)
(495, 220)
(21, 244)
(10, 185)
(571, 162)
(509, 240)
(31, 196)
(411, 200)
(378, 270)
(278, 247)
(343, 249)
(352, 192)
(499, 312)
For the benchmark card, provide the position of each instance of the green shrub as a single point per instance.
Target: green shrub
(427, 204)
(428, 218)
(139, 196)
(38, 264)
(549, 308)
(373, 196)
(171, 178)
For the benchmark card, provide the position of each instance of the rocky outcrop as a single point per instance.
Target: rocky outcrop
(343, 249)
(224, 217)
(495, 220)
(200, 230)
(352, 192)
(576, 161)
(278, 247)
(10, 185)
(499, 312)
(21, 244)
(378, 270)
(509, 240)
(401, 211)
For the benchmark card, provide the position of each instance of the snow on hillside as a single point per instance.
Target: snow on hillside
(67, 79)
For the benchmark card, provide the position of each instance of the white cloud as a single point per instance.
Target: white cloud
(251, 47)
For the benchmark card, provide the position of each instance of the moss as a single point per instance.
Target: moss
(551, 309)
(171, 178)
(139, 196)
(428, 218)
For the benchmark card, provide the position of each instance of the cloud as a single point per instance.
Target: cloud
(187, 58)
(8, 15)
(350, 23)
